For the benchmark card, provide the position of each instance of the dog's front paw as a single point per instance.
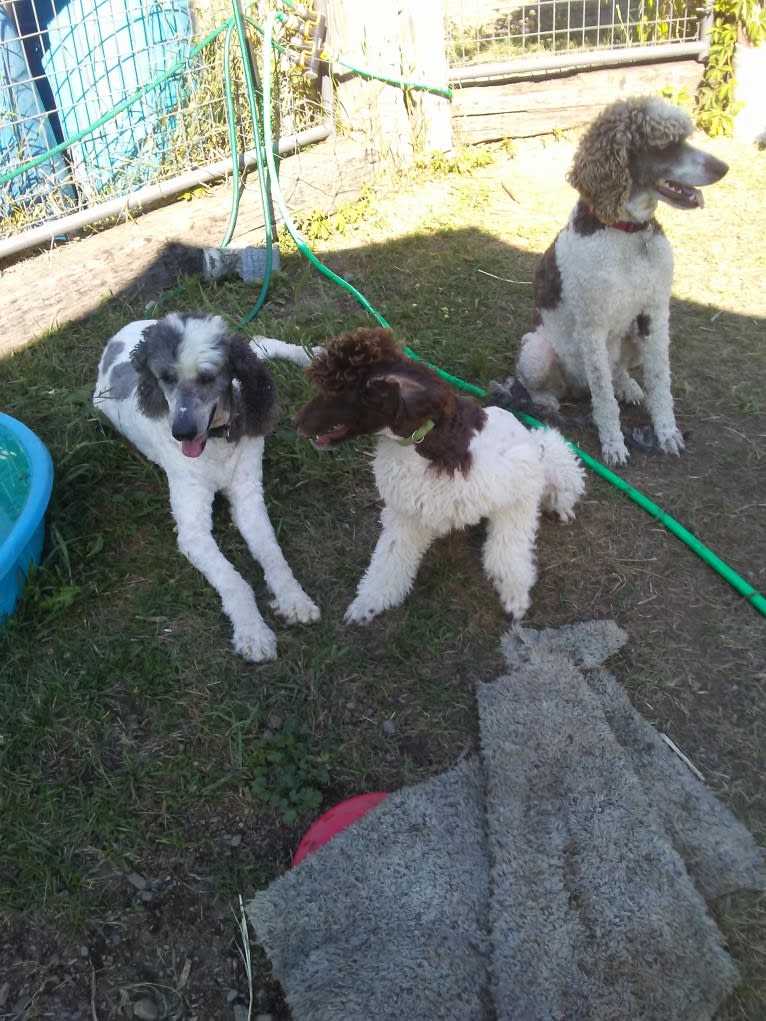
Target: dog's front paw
(516, 606)
(671, 441)
(361, 611)
(256, 644)
(298, 608)
(615, 454)
(629, 392)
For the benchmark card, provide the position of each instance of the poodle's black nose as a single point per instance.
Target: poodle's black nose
(184, 426)
(716, 168)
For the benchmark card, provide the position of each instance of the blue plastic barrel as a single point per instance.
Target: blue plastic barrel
(26, 480)
(100, 52)
(25, 133)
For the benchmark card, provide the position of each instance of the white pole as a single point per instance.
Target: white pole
(152, 193)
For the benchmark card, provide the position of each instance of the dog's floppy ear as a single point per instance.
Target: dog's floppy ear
(414, 397)
(151, 399)
(600, 170)
(257, 391)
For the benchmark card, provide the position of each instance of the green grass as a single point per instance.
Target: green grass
(132, 738)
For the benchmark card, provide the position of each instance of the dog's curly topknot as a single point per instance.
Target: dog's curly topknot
(351, 357)
(600, 169)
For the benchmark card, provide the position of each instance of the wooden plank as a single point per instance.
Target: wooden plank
(489, 113)
(143, 256)
(367, 37)
(424, 59)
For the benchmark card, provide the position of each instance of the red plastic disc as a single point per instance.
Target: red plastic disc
(335, 820)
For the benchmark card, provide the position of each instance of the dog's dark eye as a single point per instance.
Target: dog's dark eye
(169, 378)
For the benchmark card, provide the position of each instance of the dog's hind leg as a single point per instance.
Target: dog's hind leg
(564, 476)
(192, 505)
(388, 579)
(252, 519)
(626, 389)
(509, 554)
(539, 370)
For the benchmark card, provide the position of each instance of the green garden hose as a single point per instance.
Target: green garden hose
(239, 22)
(393, 80)
(269, 186)
(674, 527)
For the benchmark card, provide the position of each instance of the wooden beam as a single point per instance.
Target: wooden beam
(555, 102)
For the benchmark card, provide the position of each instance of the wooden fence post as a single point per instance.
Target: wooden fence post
(424, 59)
(404, 40)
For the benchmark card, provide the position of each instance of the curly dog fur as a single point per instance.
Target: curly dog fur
(442, 462)
(602, 289)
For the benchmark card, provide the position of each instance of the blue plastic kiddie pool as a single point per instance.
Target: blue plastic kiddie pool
(26, 479)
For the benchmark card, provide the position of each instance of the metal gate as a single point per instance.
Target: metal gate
(112, 105)
(490, 39)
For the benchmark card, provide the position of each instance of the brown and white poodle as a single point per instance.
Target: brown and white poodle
(442, 463)
(602, 289)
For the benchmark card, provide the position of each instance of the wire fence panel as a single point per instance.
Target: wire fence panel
(101, 97)
(483, 31)
(71, 68)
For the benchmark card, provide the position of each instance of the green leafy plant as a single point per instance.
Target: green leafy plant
(678, 96)
(663, 21)
(320, 226)
(287, 775)
(464, 161)
(735, 22)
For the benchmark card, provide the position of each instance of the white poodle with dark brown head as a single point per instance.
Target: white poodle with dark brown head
(442, 463)
(602, 289)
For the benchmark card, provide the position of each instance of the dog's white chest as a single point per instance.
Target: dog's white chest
(620, 266)
(505, 458)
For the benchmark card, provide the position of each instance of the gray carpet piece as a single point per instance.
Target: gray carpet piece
(592, 912)
(696, 821)
(560, 876)
(698, 824)
(388, 920)
(588, 644)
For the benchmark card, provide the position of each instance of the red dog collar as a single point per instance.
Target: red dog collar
(629, 227)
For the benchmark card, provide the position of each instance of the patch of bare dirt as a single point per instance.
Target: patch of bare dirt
(166, 947)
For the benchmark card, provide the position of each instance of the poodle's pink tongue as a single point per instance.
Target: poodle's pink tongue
(330, 437)
(193, 448)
